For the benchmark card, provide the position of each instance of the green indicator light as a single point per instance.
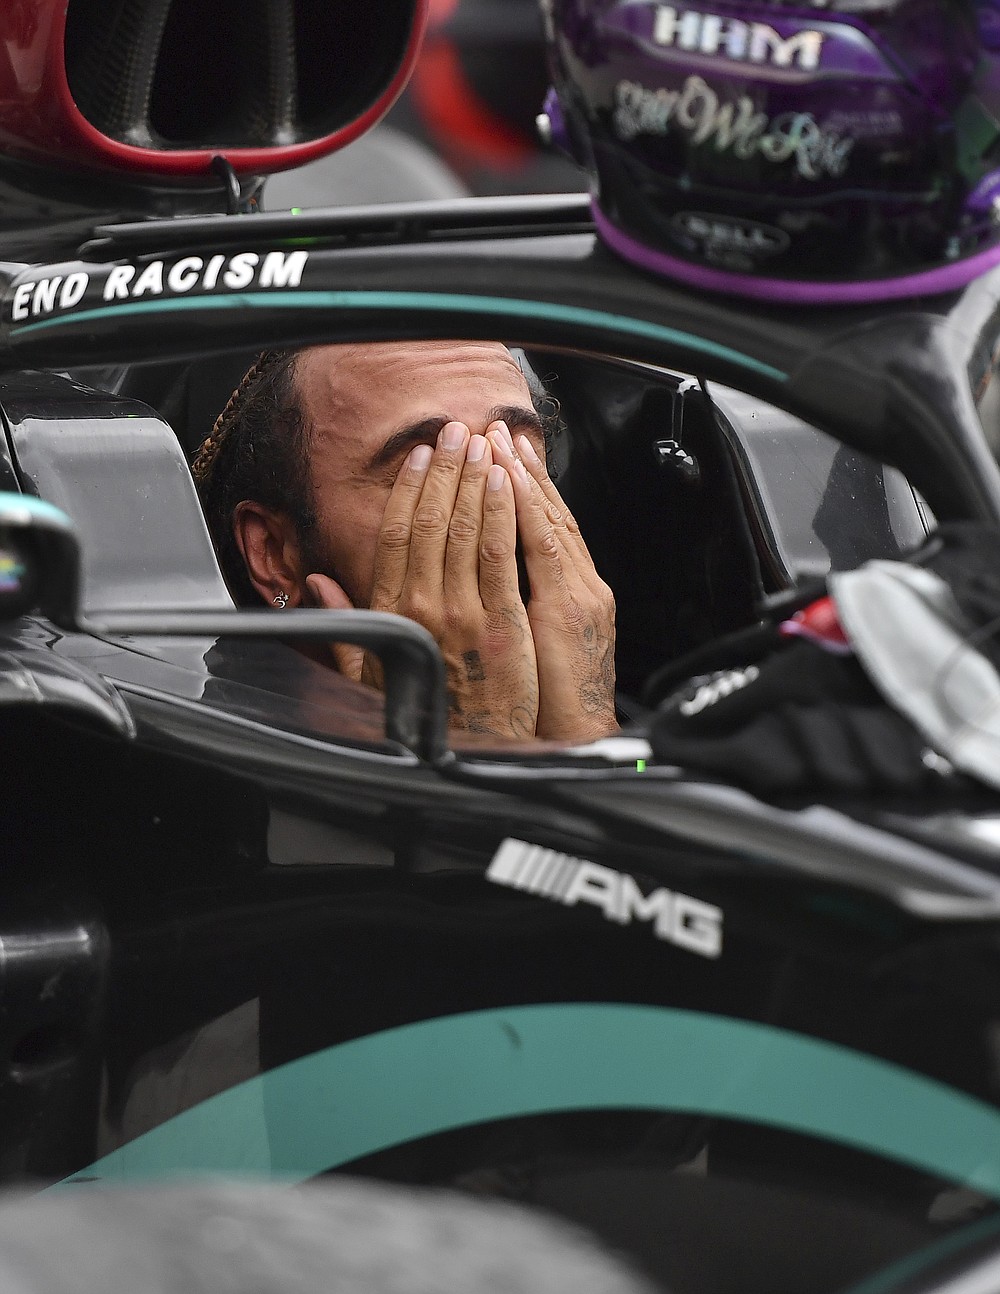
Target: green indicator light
(296, 211)
(640, 766)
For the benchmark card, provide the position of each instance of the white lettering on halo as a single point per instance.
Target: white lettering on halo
(242, 270)
(150, 280)
(184, 275)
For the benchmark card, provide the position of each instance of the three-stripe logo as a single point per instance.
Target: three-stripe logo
(678, 918)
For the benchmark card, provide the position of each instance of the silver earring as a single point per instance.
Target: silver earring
(281, 600)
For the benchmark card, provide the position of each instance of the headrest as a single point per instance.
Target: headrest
(118, 471)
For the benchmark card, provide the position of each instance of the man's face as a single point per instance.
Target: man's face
(368, 405)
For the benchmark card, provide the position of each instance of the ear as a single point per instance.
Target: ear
(270, 547)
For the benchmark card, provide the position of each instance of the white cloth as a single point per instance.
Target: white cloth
(918, 650)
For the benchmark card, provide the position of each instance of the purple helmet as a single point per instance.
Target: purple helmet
(787, 150)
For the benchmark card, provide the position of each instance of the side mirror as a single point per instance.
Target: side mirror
(40, 569)
(39, 561)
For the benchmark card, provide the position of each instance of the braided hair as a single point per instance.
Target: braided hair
(258, 449)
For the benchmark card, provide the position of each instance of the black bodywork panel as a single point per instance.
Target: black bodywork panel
(245, 930)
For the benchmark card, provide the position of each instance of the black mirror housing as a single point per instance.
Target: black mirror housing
(39, 561)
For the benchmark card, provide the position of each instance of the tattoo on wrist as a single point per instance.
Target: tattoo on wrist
(521, 724)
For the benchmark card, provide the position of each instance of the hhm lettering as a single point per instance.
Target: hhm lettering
(751, 42)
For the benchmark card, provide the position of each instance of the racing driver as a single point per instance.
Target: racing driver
(403, 476)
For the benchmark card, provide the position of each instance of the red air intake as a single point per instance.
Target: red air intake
(160, 87)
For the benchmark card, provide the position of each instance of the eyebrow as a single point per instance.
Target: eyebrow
(427, 429)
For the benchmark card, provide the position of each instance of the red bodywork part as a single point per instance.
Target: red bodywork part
(41, 122)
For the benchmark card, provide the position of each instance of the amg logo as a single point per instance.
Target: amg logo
(746, 42)
(689, 923)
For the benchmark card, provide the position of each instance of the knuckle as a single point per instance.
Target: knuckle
(494, 550)
(430, 520)
(462, 528)
(418, 607)
(447, 465)
(574, 615)
(455, 619)
(548, 546)
(604, 599)
(395, 535)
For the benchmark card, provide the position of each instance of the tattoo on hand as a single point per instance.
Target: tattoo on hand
(597, 687)
(522, 721)
(474, 671)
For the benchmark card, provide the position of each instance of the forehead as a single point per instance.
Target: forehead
(366, 392)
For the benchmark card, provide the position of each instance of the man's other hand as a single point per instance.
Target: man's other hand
(571, 610)
(446, 558)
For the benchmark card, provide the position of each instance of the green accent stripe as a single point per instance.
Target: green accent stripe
(892, 1277)
(34, 507)
(397, 1086)
(510, 307)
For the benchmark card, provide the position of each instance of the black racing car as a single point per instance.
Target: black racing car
(259, 919)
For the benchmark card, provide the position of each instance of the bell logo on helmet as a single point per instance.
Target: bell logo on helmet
(745, 42)
(731, 235)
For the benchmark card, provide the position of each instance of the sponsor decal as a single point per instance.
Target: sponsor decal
(729, 237)
(717, 687)
(732, 38)
(187, 274)
(678, 918)
(738, 127)
(866, 123)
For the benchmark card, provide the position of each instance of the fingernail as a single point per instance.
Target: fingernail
(476, 450)
(504, 431)
(503, 445)
(496, 477)
(453, 435)
(420, 458)
(526, 448)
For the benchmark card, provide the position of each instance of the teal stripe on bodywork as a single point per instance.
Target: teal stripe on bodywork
(28, 505)
(397, 1086)
(509, 307)
(890, 1278)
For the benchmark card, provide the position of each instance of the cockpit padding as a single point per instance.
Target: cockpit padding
(117, 469)
(678, 554)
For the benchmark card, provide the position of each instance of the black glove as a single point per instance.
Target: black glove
(803, 720)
